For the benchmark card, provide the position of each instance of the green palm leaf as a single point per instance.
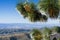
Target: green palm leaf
(30, 11)
(52, 6)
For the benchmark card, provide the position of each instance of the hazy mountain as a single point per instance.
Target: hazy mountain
(26, 25)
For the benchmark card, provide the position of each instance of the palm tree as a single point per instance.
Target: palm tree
(30, 11)
(51, 7)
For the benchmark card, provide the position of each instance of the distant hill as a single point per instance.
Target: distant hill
(12, 31)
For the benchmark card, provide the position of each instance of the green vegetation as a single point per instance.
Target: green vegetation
(51, 7)
(57, 29)
(32, 11)
(45, 33)
(36, 34)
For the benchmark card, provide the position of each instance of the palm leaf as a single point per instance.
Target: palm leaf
(30, 11)
(20, 8)
(48, 5)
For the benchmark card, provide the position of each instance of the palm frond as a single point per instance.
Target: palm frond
(52, 6)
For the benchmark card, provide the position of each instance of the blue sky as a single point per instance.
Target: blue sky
(9, 14)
